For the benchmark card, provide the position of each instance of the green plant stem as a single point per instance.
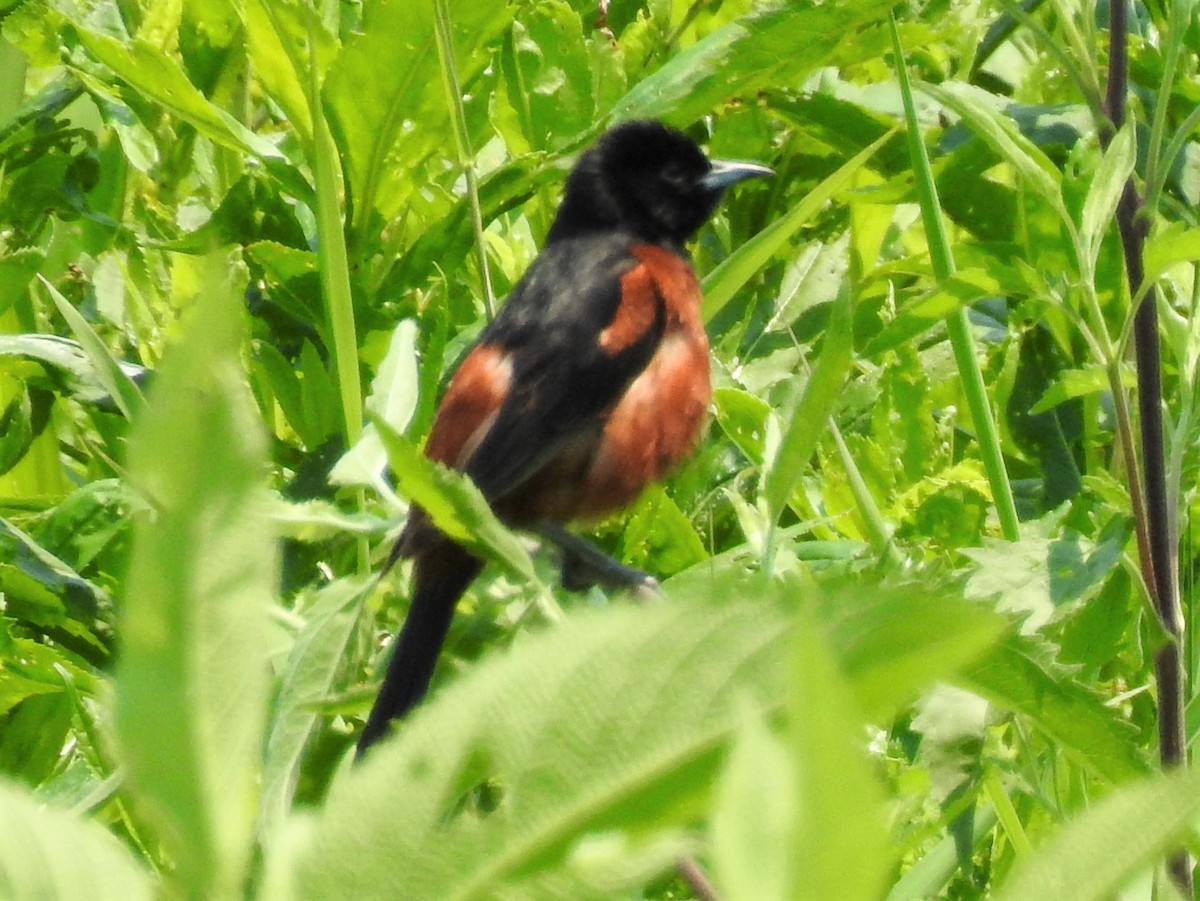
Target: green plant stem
(335, 278)
(462, 143)
(957, 324)
(876, 525)
(1173, 44)
(1137, 501)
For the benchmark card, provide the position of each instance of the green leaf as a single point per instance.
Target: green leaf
(333, 265)
(395, 53)
(1095, 854)
(731, 275)
(317, 520)
(613, 721)
(317, 657)
(16, 430)
(40, 588)
(107, 367)
(153, 73)
(658, 534)
(54, 855)
(1108, 182)
(454, 504)
(394, 390)
(754, 813)
(1174, 245)
(840, 843)
(743, 417)
(17, 269)
(549, 74)
(775, 46)
(805, 422)
(191, 684)
(929, 875)
(277, 39)
(72, 370)
(1073, 717)
(893, 642)
(1003, 136)
(1073, 383)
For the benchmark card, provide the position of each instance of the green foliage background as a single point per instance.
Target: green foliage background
(242, 245)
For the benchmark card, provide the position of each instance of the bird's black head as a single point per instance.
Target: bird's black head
(647, 179)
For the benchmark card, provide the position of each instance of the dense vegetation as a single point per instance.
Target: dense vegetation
(907, 647)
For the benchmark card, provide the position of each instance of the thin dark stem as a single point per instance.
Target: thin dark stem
(697, 880)
(1133, 227)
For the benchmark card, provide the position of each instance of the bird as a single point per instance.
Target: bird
(592, 382)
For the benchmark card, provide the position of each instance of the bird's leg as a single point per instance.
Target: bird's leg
(584, 565)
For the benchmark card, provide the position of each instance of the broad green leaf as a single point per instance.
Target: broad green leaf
(549, 74)
(775, 46)
(65, 360)
(805, 422)
(1174, 245)
(277, 39)
(32, 668)
(191, 684)
(612, 722)
(318, 655)
(17, 269)
(754, 816)
(454, 504)
(159, 77)
(283, 381)
(893, 642)
(1073, 383)
(394, 393)
(1101, 848)
(742, 417)
(317, 520)
(1108, 181)
(929, 875)
(16, 430)
(1042, 572)
(40, 588)
(840, 840)
(727, 279)
(318, 396)
(1072, 716)
(55, 855)
(108, 369)
(659, 535)
(1002, 135)
(384, 93)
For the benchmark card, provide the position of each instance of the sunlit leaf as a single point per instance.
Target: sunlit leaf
(59, 856)
(192, 680)
(1096, 852)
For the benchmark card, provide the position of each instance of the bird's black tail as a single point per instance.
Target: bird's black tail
(441, 574)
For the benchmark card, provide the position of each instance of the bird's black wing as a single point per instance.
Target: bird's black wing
(579, 327)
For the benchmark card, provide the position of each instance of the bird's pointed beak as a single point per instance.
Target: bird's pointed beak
(729, 172)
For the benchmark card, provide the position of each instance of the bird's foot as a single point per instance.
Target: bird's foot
(584, 565)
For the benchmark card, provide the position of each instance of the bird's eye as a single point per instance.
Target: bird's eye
(673, 174)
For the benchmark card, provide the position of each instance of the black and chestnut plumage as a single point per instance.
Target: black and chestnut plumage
(592, 382)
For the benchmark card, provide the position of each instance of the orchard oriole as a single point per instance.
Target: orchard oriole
(592, 381)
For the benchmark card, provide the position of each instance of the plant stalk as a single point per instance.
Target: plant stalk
(942, 257)
(1133, 227)
(462, 143)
